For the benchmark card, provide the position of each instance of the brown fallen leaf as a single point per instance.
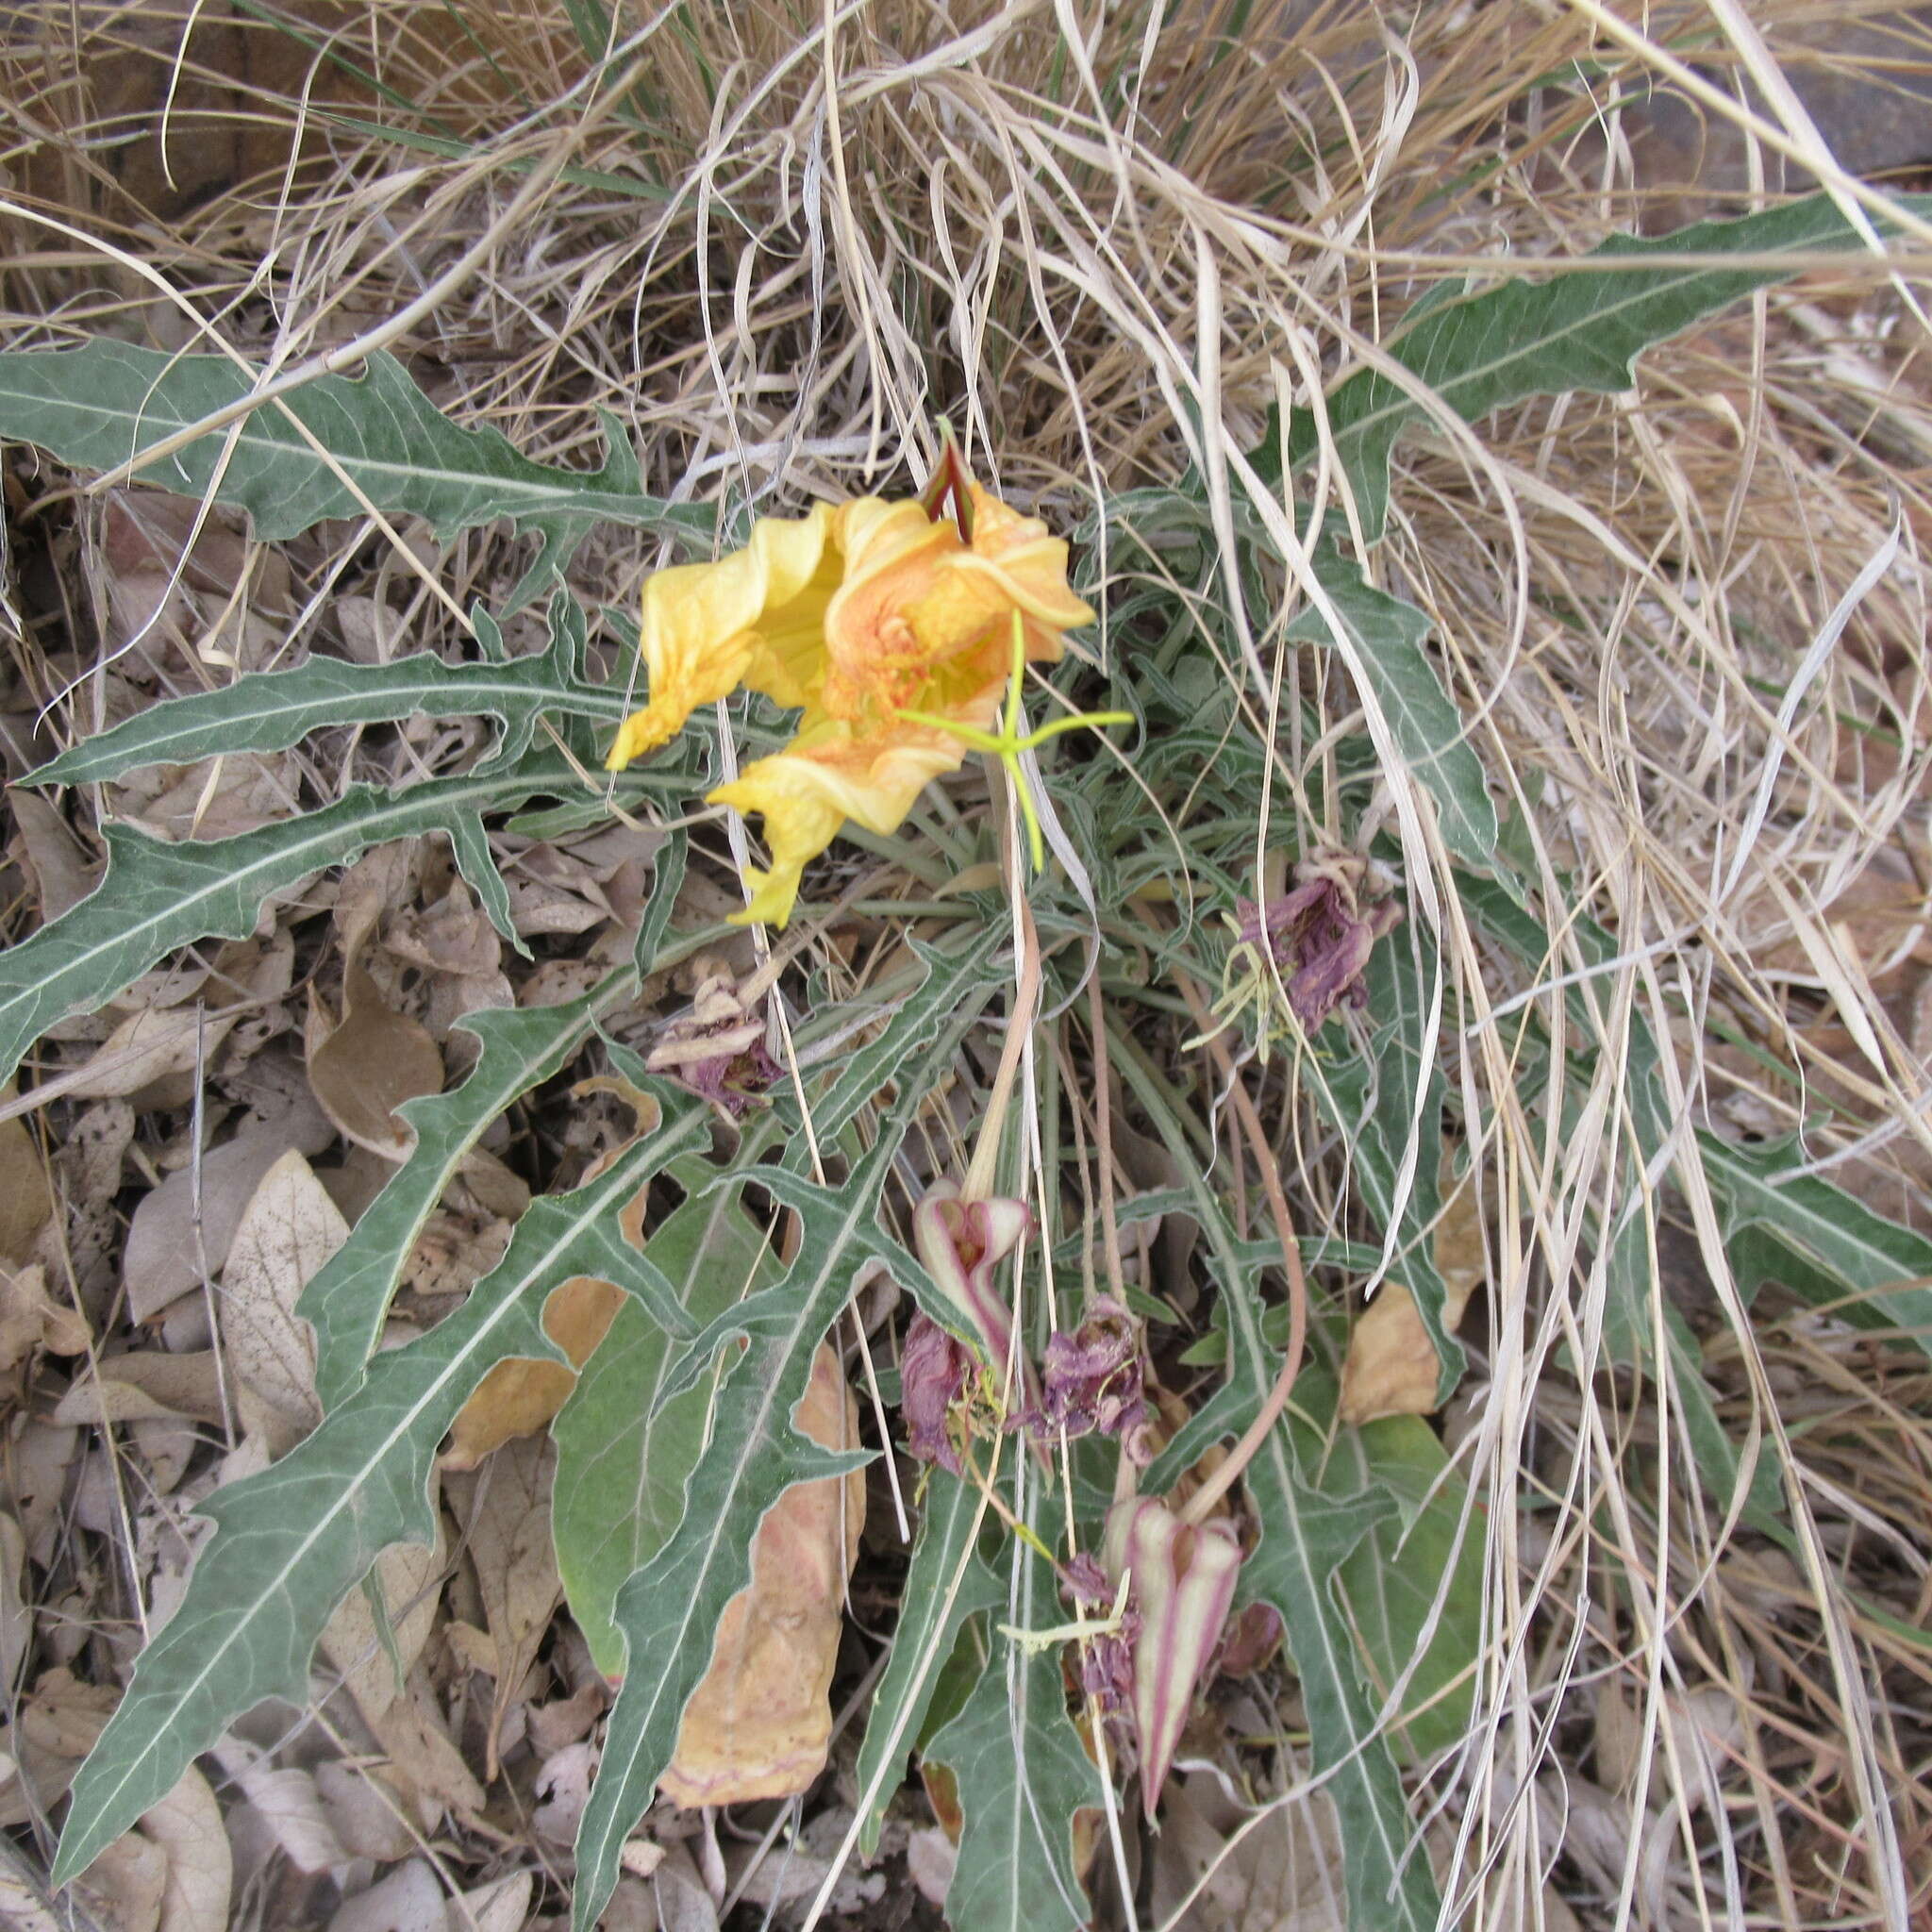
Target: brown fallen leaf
(760, 1724)
(27, 1200)
(409, 1899)
(55, 1728)
(429, 1768)
(1390, 1368)
(186, 1824)
(288, 1230)
(520, 1397)
(130, 1388)
(363, 1067)
(62, 868)
(31, 1319)
(505, 1510)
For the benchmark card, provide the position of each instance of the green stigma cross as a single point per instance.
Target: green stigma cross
(1009, 743)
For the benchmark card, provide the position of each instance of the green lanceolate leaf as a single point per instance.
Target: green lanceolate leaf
(291, 1542)
(622, 1454)
(1305, 1536)
(155, 896)
(946, 1583)
(270, 711)
(106, 403)
(1391, 1581)
(1386, 636)
(1022, 1774)
(349, 1296)
(668, 1612)
(1581, 328)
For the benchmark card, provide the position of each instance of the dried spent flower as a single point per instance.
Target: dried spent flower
(717, 1047)
(935, 1371)
(1320, 934)
(1092, 1380)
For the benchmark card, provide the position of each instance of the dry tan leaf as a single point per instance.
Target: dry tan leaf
(364, 1812)
(31, 1319)
(164, 1258)
(132, 1387)
(27, 1200)
(34, 1466)
(505, 1510)
(428, 1767)
(500, 1906)
(288, 1803)
(405, 1576)
(365, 1067)
(186, 1824)
(62, 870)
(288, 1230)
(125, 1886)
(23, 1908)
(760, 1724)
(57, 1727)
(1391, 1368)
(146, 1047)
(519, 1397)
(409, 1899)
(16, 1612)
(563, 1788)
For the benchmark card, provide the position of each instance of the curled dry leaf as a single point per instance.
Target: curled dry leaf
(287, 1801)
(1391, 1368)
(288, 1230)
(363, 1068)
(760, 1724)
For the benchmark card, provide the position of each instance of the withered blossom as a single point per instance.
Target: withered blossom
(1106, 1661)
(717, 1048)
(934, 1373)
(1320, 934)
(1092, 1380)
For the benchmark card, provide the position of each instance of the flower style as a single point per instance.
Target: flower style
(1183, 1577)
(856, 614)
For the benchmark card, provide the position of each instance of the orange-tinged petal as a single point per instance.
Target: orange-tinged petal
(702, 625)
(827, 776)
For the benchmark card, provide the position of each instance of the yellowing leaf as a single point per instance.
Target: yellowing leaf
(760, 1724)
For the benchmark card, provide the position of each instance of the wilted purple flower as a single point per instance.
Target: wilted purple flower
(717, 1049)
(1092, 1378)
(934, 1370)
(1106, 1661)
(1319, 934)
(1183, 1577)
(961, 1242)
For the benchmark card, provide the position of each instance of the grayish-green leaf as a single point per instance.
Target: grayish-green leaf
(1022, 1776)
(155, 896)
(106, 403)
(270, 711)
(1387, 1103)
(669, 1610)
(1581, 328)
(291, 1542)
(945, 1584)
(622, 1455)
(1387, 636)
(349, 1296)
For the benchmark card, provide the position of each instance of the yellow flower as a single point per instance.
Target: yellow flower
(856, 613)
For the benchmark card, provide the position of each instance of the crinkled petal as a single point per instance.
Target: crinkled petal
(830, 773)
(701, 624)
